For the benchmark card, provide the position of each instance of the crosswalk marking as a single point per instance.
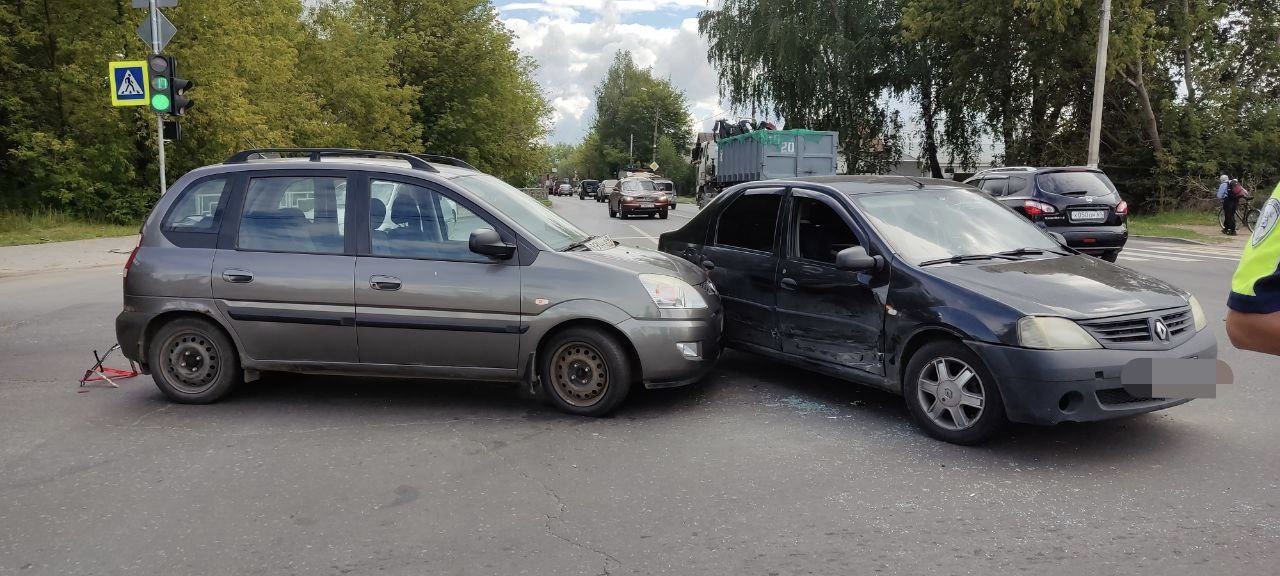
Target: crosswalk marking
(1127, 258)
(1177, 256)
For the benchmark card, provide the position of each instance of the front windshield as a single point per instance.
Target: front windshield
(923, 225)
(529, 214)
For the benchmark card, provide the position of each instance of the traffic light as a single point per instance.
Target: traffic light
(168, 92)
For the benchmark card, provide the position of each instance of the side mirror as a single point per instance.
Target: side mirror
(487, 242)
(856, 259)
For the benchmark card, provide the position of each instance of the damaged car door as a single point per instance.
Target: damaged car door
(827, 315)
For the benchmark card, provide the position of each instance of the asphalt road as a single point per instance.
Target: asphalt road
(761, 469)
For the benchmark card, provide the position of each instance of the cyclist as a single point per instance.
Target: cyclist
(1229, 204)
(1253, 318)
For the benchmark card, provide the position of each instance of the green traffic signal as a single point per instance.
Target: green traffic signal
(160, 102)
(160, 83)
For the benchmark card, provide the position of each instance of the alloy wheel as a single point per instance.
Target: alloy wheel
(951, 393)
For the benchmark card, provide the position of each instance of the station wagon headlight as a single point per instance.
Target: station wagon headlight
(671, 292)
(1197, 313)
(1053, 333)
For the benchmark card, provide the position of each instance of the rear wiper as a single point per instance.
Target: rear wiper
(967, 258)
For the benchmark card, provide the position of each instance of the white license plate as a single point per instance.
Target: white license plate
(1087, 215)
(646, 204)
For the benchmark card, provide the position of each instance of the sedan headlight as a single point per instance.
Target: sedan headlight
(1053, 333)
(671, 292)
(1197, 313)
(628, 198)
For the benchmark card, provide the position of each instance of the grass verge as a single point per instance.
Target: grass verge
(49, 226)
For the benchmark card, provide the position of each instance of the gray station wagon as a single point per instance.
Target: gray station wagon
(376, 263)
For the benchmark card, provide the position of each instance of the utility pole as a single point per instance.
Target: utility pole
(654, 159)
(1099, 84)
(633, 148)
(156, 45)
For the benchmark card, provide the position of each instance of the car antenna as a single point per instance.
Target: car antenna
(918, 183)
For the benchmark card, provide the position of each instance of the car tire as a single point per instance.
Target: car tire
(1110, 256)
(948, 413)
(663, 214)
(585, 371)
(193, 361)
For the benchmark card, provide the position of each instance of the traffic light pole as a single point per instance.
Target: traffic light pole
(1099, 85)
(155, 49)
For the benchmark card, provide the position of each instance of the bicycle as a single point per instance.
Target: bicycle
(1246, 214)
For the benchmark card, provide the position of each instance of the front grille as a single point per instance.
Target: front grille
(1127, 330)
(1178, 322)
(1137, 330)
(1114, 396)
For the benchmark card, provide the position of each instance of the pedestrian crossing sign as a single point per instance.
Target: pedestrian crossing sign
(129, 83)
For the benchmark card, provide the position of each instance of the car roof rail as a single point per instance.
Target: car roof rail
(316, 153)
(450, 160)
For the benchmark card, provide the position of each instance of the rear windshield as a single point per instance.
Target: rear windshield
(664, 186)
(1076, 184)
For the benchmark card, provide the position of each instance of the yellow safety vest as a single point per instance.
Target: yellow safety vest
(1255, 288)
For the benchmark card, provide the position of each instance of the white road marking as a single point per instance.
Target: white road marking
(1133, 258)
(1174, 254)
(643, 233)
(1159, 256)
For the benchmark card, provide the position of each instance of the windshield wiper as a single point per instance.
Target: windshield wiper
(579, 244)
(1030, 252)
(967, 258)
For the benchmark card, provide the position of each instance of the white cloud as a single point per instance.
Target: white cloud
(574, 53)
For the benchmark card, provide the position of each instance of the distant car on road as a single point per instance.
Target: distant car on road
(667, 186)
(606, 188)
(933, 290)
(564, 189)
(1079, 203)
(434, 269)
(588, 189)
(638, 196)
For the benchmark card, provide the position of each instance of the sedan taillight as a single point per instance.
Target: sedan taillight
(1122, 209)
(1034, 208)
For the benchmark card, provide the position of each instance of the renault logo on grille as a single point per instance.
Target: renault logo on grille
(1162, 331)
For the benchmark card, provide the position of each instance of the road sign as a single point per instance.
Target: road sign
(129, 83)
(167, 30)
(653, 165)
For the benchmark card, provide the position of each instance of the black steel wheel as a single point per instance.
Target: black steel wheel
(193, 362)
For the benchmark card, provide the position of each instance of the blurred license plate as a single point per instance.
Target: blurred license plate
(1087, 215)
(646, 204)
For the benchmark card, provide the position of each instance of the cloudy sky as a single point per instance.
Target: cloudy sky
(574, 42)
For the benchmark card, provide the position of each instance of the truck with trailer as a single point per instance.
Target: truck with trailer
(760, 155)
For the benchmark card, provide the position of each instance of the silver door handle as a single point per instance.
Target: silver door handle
(235, 276)
(378, 282)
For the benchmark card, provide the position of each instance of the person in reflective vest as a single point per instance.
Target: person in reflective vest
(1253, 318)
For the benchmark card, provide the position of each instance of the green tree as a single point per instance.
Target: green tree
(477, 98)
(817, 65)
(634, 111)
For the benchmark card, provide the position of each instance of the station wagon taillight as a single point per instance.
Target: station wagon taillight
(1034, 208)
(132, 256)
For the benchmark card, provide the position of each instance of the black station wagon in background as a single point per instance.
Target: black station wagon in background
(1079, 203)
(935, 291)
